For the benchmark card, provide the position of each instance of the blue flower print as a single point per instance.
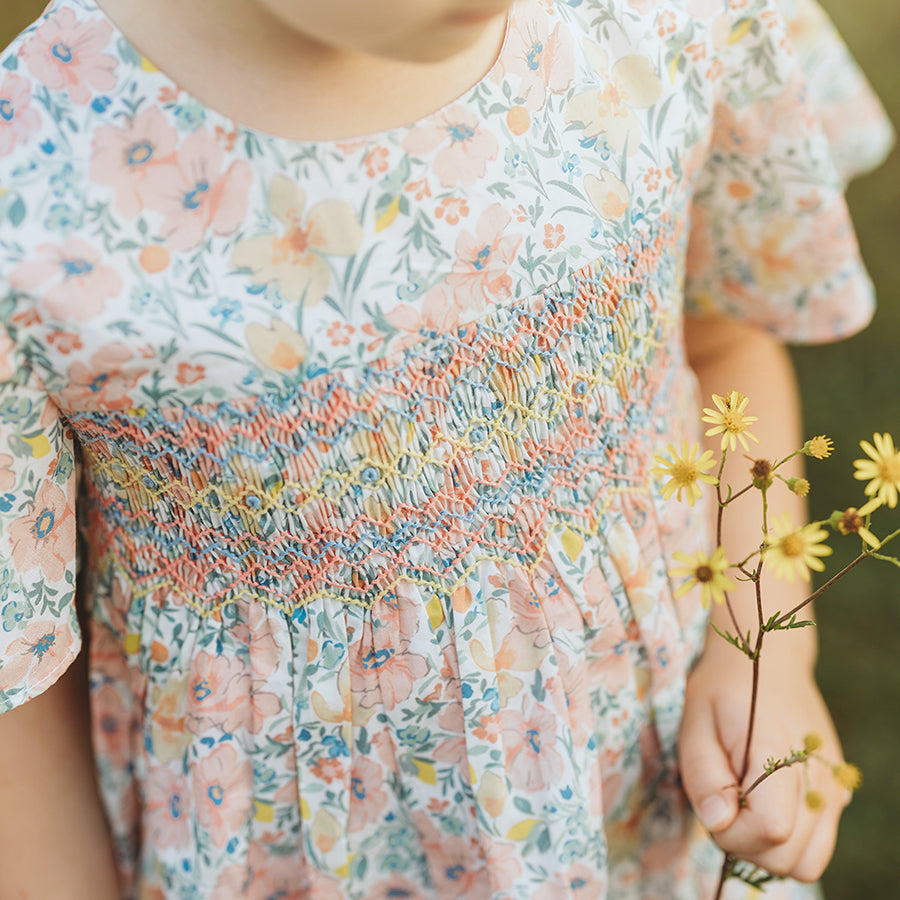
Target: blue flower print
(228, 310)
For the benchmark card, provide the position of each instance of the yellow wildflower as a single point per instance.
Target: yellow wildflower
(847, 775)
(729, 420)
(882, 471)
(852, 521)
(814, 800)
(818, 447)
(707, 571)
(684, 471)
(791, 550)
(812, 742)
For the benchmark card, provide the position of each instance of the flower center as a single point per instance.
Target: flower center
(889, 470)
(733, 421)
(851, 522)
(460, 132)
(7, 110)
(533, 57)
(63, 52)
(196, 196)
(684, 472)
(704, 574)
(139, 153)
(793, 545)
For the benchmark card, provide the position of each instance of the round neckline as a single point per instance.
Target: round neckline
(231, 125)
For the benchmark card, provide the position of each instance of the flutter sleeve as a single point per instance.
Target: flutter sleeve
(771, 240)
(39, 634)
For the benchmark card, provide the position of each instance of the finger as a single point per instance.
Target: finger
(708, 778)
(820, 847)
(817, 854)
(771, 829)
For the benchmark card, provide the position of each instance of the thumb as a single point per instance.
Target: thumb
(708, 778)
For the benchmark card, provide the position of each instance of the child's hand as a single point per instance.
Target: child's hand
(776, 830)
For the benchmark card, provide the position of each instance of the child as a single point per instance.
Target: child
(373, 570)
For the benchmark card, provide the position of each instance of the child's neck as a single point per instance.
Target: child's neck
(238, 60)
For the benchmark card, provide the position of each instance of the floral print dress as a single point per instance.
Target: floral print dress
(344, 446)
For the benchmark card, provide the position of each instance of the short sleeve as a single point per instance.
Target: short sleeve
(39, 633)
(771, 240)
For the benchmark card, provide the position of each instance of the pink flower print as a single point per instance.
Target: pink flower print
(7, 346)
(167, 809)
(436, 313)
(580, 882)
(465, 147)
(452, 209)
(223, 793)
(504, 862)
(458, 868)
(480, 275)
(367, 798)
(384, 675)
(18, 121)
(112, 724)
(396, 887)
(38, 657)
(67, 56)
(267, 876)
(328, 769)
(221, 696)
(69, 279)
(189, 373)
(376, 161)
(7, 475)
(65, 341)
(543, 61)
(340, 333)
(533, 762)
(122, 157)
(264, 635)
(420, 189)
(194, 195)
(105, 383)
(553, 236)
(45, 536)
(666, 23)
(296, 260)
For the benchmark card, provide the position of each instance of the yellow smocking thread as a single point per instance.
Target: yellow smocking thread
(139, 590)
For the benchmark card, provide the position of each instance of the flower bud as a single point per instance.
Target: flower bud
(818, 447)
(847, 775)
(798, 486)
(812, 742)
(814, 800)
(761, 472)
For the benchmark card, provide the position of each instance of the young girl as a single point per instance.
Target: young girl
(372, 571)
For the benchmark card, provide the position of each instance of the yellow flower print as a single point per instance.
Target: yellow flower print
(278, 347)
(608, 194)
(632, 84)
(295, 260)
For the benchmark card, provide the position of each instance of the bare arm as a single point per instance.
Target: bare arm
(54, 839)
(777, 830)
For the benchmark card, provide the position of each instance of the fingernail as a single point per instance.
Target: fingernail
(714, 812)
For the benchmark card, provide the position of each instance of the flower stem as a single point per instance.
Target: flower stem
(783, 764)
(851, 565)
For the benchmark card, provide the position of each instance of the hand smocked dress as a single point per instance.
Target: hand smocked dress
(346, 444)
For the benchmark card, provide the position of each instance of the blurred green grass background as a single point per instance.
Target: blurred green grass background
(850, 390)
